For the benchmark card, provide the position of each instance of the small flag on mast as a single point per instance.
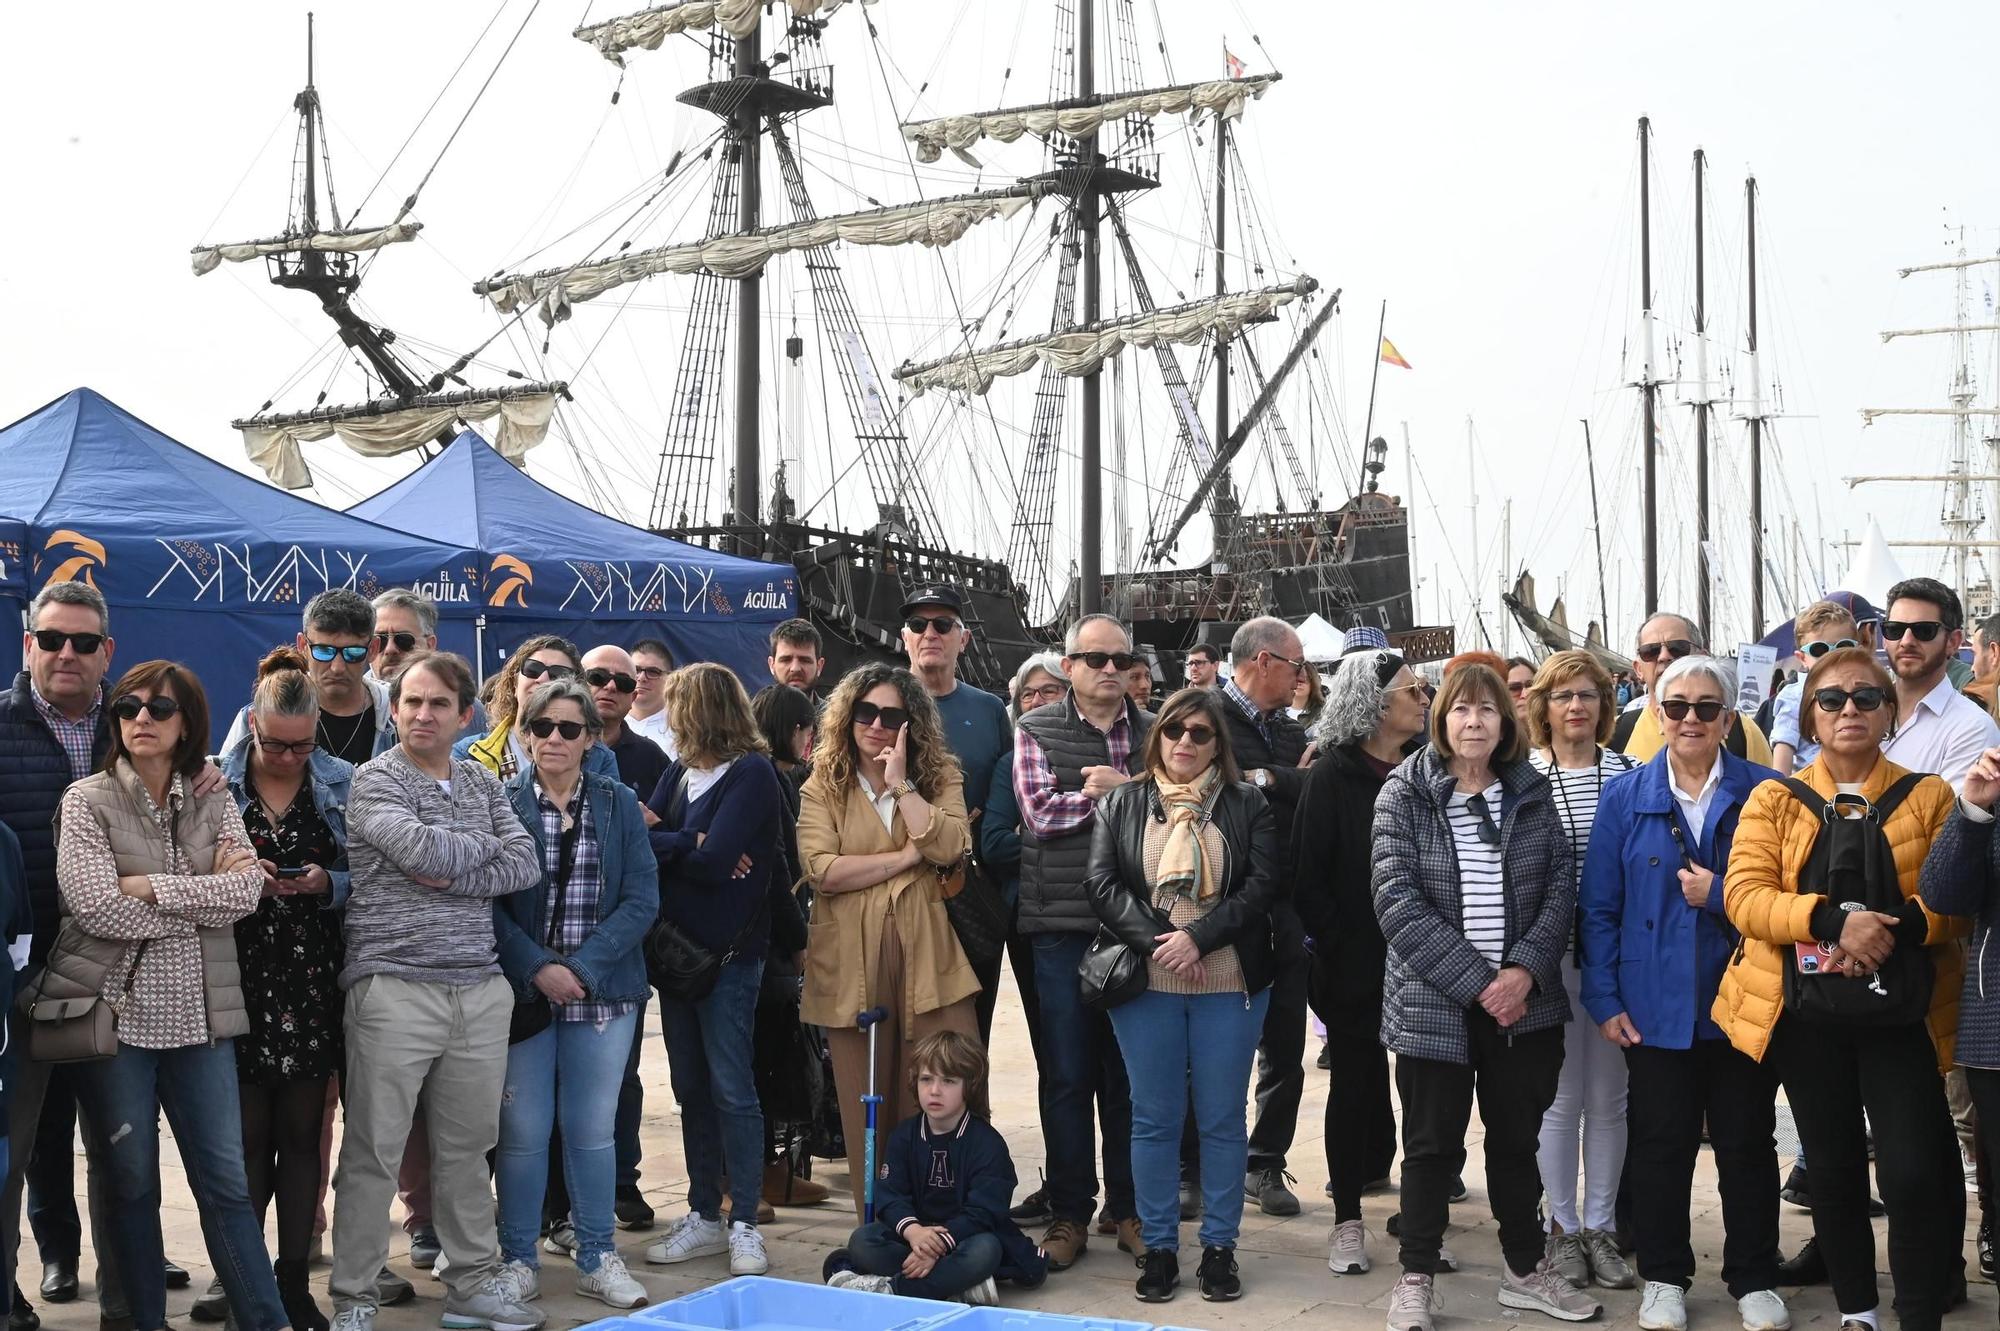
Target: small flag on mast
(1392, 356)
(1234, 65)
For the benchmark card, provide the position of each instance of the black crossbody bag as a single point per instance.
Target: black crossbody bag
(534, 1015)
(676, 963)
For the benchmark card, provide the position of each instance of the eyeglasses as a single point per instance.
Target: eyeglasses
(1818, 649)
(1564, 697)
(938, 624)
(159, 707)
(891, 718)
(1047, 692)
(534, 669)
(1119, 661)
(52, 640)
(403, 641)
(1673, 647)
(599, 677)
(1866, 698)
(1201, 735)
(1925, 629)
(1489, 831)
(301, 748)
(649, 672)
(1299, 666)
(1705, 711)
(326, 651)
(542, 727)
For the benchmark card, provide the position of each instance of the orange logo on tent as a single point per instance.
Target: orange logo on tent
(519, 578)
(77, 566)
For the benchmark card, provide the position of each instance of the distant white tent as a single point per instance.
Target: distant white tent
(1322, 640)
(1875, 569)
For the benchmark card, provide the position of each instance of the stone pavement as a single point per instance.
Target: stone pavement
(1286, 1282)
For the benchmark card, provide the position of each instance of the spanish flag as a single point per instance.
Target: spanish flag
(1391, 355)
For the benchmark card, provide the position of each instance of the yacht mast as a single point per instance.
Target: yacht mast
(1705, 574)
(1649, 440)
(1756, 423)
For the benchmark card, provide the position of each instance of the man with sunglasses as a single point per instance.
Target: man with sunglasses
(356, 721)
(610, 674)
(1664, 639)
(1938, 729)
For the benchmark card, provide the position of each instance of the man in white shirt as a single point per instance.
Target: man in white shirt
(650, 663)
(1938, 729)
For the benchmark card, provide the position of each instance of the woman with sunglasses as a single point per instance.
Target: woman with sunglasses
(1373, 719)
(570, 948)
(1653, 949)
(721, 813)
(1833, 1070)
(537, 661)
(1475, 890)
(293, 798)
(882, 815)
(1184, 870)
(153, 877)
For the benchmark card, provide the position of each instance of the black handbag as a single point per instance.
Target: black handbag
(676, 964)
(978, 911)
(1111, 972)
(532, 1016)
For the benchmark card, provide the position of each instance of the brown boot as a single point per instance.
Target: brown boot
(782, 1187)
(1128, 1240)
(1064, 1243)
(765, 1215)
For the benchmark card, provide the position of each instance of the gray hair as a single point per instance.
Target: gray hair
(340, 611)
(1262, 634)
(1049, 663)
(1693, 633)
(423, 607)
(71, 593)
(1714, 669)
(1356, 699)
(548, 695)
(1072, 641)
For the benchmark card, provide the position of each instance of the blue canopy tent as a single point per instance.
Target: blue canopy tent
(556, 566)
(199, 563)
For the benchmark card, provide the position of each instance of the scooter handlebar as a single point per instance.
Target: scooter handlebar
(871, 1016)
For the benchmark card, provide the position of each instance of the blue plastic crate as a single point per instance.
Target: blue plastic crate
(1021, 1319)
(760, 1303)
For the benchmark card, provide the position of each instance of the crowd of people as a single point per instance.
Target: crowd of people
(438, 913)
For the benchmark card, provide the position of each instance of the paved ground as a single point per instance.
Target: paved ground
(1285, 1278)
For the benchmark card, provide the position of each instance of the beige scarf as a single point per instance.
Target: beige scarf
(1184, 867)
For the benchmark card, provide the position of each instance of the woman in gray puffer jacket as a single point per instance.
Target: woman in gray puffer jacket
(1475, 888)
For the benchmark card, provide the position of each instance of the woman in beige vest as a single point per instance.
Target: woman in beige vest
(153, 878)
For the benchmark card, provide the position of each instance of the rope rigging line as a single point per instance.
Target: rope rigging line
(411, 202)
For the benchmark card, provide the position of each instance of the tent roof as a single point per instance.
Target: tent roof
(1323, 642)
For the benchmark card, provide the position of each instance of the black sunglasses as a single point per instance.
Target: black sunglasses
(1674, 647)
(404, 641)
(1705, 711)
(1122, 661)
(301, 747)
(597, 678)
(892, 718)
(159, 706)
(1925, 629)
(1489, 831)
(1201, 735)
(542, 727)
(1818, 649)
(938, 624)
(326, 651)
(534, 669)
(1866, 698)
(52, 640)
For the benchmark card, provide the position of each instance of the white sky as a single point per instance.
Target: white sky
(1473, 164)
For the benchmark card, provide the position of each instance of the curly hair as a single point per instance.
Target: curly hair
(501, 709)
(836, 758)
(1565, 668)
(1357, 699)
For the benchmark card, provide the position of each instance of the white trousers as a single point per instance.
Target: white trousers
(1587, 1116)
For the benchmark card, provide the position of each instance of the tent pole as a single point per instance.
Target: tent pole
(479, 651)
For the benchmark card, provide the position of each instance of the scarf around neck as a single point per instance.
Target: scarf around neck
(1184, 867)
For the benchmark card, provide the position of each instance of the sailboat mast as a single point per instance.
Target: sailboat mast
(1756, 424)
(1597, 533)
(1701, 531)
(1223, 497)
(308, 104)
(1648, 442)
(749, 297)
(1090, 490)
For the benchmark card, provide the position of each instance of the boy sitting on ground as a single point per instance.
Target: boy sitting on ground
(944, 1184)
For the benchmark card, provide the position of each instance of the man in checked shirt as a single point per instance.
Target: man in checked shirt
(1066, 757)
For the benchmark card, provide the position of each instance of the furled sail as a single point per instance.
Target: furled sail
(936, 222)
(1080, 351)
(208, 257)
(381, 430)
(648, 28)
(1079, 117)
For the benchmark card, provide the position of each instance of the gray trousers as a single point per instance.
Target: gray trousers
(446, 1045)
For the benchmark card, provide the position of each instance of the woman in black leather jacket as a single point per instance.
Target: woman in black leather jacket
(1184, 870)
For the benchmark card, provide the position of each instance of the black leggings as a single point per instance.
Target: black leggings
(1360, 1123)
(281, 1132)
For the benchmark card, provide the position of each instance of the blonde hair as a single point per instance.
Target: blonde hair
(709, 714)
(1822, 614)
(283, 686)
(1561, 668)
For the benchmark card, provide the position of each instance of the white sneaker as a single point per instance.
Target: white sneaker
(746, 1250)
(1544, 1290)
(865, 1283)
(1663, 1307)
(1763, 1310)
(1347, 1253)
(438, 1266)
(1410, 1303)
(1447, 1261)
(982, 1295)
(561, 1240)
(523, 1281)
(361, 1317)
(691, 1237)
(612, 1282)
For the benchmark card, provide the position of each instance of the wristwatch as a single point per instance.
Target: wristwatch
(1260, 778)
(903, 787)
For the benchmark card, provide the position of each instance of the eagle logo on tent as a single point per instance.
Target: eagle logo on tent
(519, 578)
(78, 566)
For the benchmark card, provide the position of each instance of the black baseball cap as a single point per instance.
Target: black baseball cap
(938, 594)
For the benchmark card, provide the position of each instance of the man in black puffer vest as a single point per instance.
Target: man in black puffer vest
(1268, 659)
(1066, 757)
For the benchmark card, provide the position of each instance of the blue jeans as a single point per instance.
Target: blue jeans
(1079, 1062)
(631, 1106)
(722, 1124)
(1159, 1034)
(876, 1251)
(570, 1071)
(196, 1086)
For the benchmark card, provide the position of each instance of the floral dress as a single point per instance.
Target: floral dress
(290, 954)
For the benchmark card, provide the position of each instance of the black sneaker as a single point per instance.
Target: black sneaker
(1986, 1246)
(1033, 1209)
(1217, 1275)
(1325, 1061)
(176, 1277)
(1807, 1268)
(632, 1209)
(22, 1316)
(1159, 1277)
(1190, 1199)
(1797, 1190)
(1268, 1187)
(1458, 1189)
